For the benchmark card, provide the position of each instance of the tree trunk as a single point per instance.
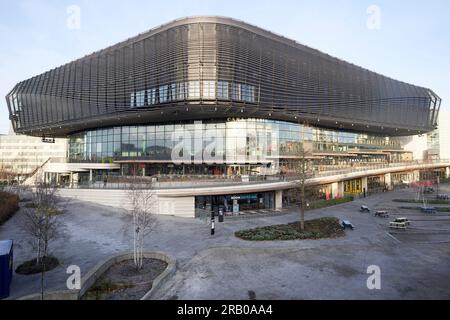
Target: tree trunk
(302, 208)
(42, 278)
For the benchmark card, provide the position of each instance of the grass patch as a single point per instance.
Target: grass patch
(32, 267)
(429, 201)
(9, 204)
(328, 203)
(322, 228)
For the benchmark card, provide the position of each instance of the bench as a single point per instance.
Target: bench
(382, 214)
(403, 220)
(397, 225)
(347, 224)
(364, 209)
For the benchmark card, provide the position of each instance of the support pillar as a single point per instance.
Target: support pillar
(90, 175)
(337, 190)
(143, 171)
(71, 179)
(447, 172)
(364, 185)
(75, 180)
(416, 175)
(279, 199)
(387, 181)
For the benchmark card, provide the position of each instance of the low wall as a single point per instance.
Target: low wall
(96, 272)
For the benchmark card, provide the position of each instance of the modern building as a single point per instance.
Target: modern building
(433, 145)
(219, 97)
(20, 155)
(444, 134)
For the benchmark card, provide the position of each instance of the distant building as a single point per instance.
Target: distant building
(22, 154)
(433, 145)
(444, 134)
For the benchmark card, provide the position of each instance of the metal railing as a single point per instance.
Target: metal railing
(189, 181)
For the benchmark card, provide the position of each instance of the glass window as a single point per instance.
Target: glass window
(222, 90)
(236, 91)
(132, 99)
(140, 98)
(151, 96)
(209, 89)
(173, 92)
(163, 94)
(181, 91)
(194, 89)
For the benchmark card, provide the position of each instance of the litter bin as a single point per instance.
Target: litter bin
(6, 267)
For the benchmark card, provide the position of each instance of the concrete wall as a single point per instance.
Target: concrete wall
(444, 134)
(177, 206)
(279, 199)
(180, 207)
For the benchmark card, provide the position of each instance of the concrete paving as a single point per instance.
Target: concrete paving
(414, 264)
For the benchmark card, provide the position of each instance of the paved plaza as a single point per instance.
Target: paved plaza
(414, 263)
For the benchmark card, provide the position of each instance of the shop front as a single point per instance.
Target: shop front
(233, 204)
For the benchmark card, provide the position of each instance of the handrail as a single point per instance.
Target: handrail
(227, 181)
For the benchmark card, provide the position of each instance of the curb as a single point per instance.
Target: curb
(97, 271)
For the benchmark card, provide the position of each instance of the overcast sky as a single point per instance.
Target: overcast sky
(410, 41)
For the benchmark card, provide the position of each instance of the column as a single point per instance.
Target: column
(447, 172)
(337, 190)
(334, 190)
(416, 176)
(90, 175)
(278, 199)
(364, 185)
(387, 181)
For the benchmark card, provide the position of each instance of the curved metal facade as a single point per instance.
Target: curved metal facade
(210, 67)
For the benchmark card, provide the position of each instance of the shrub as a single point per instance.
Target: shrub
(33, 267)
(314, 229)
(9, 204)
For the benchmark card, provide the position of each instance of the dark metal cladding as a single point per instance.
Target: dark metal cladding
(212, 67)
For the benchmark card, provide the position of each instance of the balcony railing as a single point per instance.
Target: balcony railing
(193, 181)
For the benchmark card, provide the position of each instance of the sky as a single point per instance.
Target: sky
(408, 40)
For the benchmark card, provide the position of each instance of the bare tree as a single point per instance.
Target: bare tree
(143, 220)
(302, 169)
(41, 223)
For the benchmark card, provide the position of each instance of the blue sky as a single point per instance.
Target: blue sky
(412, 43)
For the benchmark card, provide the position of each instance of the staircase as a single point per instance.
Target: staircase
(31, 180)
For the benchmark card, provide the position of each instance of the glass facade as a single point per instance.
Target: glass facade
(232, 141)
(193, 90)
(233, 204)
